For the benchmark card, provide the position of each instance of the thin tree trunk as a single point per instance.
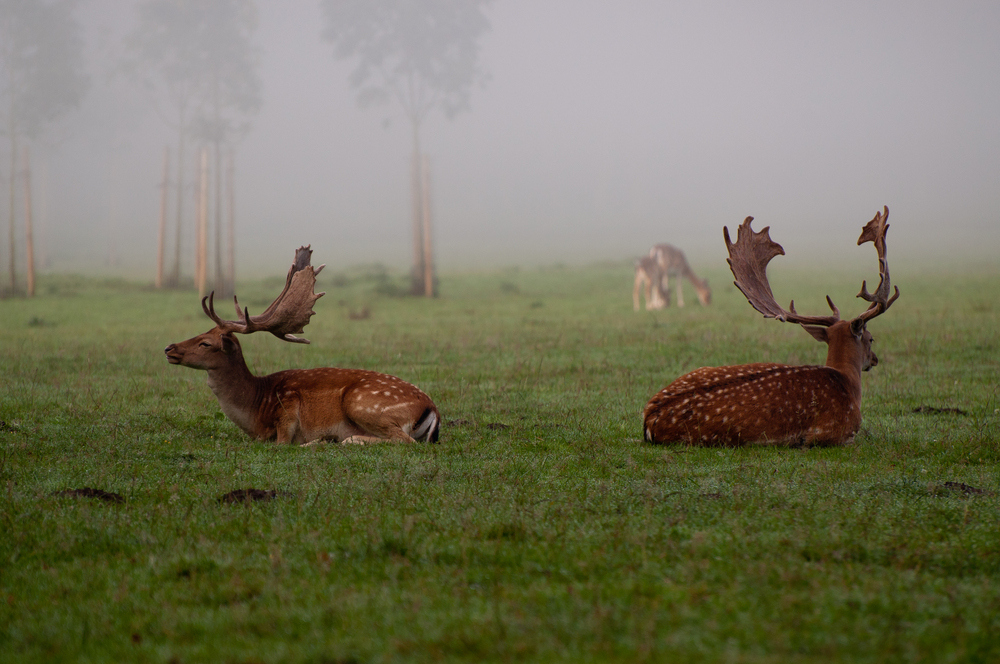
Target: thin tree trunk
(418, 212)
(428, 248)
(231, 245)
(161, 236)
(41, 210)
(220, 281)
(201, 260)
(29, 237)
(13, 209)
(175, 277)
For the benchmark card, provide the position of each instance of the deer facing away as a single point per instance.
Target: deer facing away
(302, 405)
(769, 403)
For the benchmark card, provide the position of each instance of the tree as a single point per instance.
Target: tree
(41, 78)
(199, 58)
(424, 55)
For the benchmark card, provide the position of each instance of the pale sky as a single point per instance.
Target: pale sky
(605, 127)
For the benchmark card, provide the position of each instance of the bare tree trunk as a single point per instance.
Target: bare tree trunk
(428, 248)
(161, 236)
(201, 258)
(13, 210)
(203, 223)
(220, 281)
(417, 287)
(175, 277)
(29, 237)
(41, 210)
(231, 245)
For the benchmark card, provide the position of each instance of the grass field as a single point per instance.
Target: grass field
(541, 527)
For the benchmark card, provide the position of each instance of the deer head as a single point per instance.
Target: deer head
(285, 317)
(748, 259)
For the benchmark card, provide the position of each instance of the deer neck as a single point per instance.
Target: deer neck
(845, 353)
(237, 390)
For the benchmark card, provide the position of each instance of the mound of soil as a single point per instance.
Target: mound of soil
(87, 492)
(251, 495)
(932, 410)
(966, 489)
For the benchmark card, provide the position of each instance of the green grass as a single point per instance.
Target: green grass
(541, 527)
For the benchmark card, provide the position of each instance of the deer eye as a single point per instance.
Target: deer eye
(205, 344)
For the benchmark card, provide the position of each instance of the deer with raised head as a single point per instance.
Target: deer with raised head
(671, 262)
(647, 280)
(776, 404)
(302, 405)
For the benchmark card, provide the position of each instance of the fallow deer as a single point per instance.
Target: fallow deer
(647, 280)
(769, 403)
(672, 263)
(302, 405)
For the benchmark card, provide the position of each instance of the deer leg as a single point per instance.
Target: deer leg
(287, 430)
(680, 293)
(635, 292)
(394, 433)
(652, 301)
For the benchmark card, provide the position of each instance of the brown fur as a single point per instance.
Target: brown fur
(769, 404)
(308, 405)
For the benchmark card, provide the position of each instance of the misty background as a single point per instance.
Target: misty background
(602, 128)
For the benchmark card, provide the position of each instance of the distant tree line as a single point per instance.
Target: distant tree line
(198, 61)
(41, 78)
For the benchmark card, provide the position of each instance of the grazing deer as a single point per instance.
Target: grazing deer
(302, 405)
(647, 279)
(672, 263)
(769, 403)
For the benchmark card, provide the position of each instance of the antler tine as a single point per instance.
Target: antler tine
(875, 231)
(289, 313)
(748, 259)
(209, 309)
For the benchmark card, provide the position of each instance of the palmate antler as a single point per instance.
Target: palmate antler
(288, 314)
(748, 259)
(752, 251)
(874, 231)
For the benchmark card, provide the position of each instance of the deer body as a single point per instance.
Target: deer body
(775, 404)
(766, 403)
(303, 405)
(672, 263)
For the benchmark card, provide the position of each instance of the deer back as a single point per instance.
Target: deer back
(760, 403)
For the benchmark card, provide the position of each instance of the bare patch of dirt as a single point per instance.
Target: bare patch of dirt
(87, 492)
(933, 410)
(248, 496)
(958, 487)
(497, 426)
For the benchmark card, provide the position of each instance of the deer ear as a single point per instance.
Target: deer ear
(858, 327)
(818, 333)
(228, 343)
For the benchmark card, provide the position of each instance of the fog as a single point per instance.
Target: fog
(604, 128)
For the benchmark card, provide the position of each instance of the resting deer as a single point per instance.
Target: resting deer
(769, 403)
(672, 263)
(647, 280)
(302, 405)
